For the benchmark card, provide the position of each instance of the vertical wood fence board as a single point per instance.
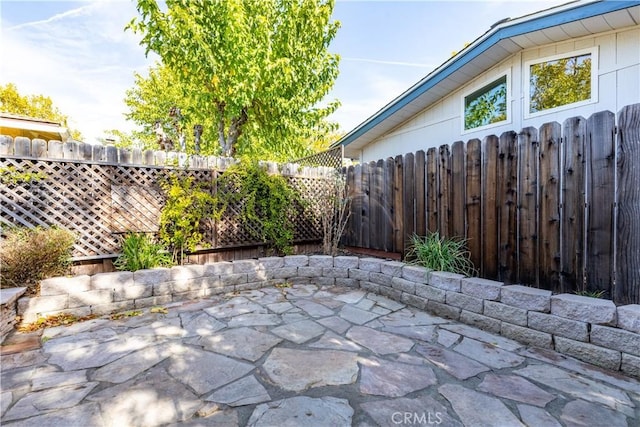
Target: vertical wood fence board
(374, 205)
(528, 206)
(357, 206)
(550, 135)
(573, 206)
(366, 193)
(432, 190)
(444, 191)
(458, 190)
(507, 208)
(420, 193)
(348, 238)
(473, 203)
(490, 248)
(408, 197)
(600, 199)
(388, 204)
(627, 285)
(398, 190)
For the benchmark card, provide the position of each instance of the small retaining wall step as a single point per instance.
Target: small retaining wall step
(8, 309)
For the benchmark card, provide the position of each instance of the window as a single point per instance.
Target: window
(561, 81)
(487, 105)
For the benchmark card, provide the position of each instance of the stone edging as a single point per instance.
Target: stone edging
(590, 329)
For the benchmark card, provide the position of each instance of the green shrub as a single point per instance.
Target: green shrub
(139, 252)
(592, 294)
(28, 255)
(440, 254)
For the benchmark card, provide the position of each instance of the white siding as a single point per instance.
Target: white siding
(441, 123)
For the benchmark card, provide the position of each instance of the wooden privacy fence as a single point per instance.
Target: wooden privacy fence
(100, 192)
(556, 207)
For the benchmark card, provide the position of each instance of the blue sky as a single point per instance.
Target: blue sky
(78, 53)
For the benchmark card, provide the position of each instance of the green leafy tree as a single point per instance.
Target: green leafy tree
(490, 107)
(36, 106)
(257, 69)
(560, 82)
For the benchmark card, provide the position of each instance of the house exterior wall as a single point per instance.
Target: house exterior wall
(618, 85)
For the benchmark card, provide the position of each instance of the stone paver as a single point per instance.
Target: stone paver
(301, 355)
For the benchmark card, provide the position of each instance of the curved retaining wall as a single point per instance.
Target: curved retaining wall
(590, 329)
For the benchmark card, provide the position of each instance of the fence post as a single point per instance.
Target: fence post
(627, 284)
(22, 146)
(6, 145)
(39, 148)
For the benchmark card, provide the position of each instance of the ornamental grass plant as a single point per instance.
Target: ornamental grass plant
(438, 253)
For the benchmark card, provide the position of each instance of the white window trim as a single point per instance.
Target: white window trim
(486, 82)
(594, 82)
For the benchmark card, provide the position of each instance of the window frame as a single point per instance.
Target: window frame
(487, 82)
(593, 51)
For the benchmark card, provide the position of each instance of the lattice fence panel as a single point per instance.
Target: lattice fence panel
(232, 230)
(308, 225)
(74, 196)
(331, 158)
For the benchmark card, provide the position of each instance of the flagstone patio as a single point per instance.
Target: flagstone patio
(301, 356)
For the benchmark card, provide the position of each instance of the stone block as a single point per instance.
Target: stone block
(114, 307)
(220, 268)
(163, 288)
(9, 296)
(90, 298)
(431, 293)
(296, 261)
(404, 285)
(270, 263)
(132, 292)
(346, 261)
(188, 295)
(78, 312)
(616, 339)
(380, 279)
(249, 286)
(348, 282)
(604, 357)
(151, 276)
(326, 281)
(301, 281)
(526, 335)
(464, 302)
(416, 274)
(212, 282)
(481, 288)
(443, 310)
(392, 268)
(394, 294)
(445, 280)
(526, 298)
(152, 301)
(112, 280)
(188, 285)
(479, 321)
(65, 285)
(217, 291)
(356, 273)
(370, 264)
(335, 272)
(630, 365)
(370, 287)
(513, 315)
(42, 304)
(234, 279)
(258, 276)
(414, 301)
(310, 271)
(584, 309)
(246, 266)
(284, 273)
(558, 326)
(629, 317)
(187, 272)
(321, 261)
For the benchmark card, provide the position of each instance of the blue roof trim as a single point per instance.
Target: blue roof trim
(562, 17)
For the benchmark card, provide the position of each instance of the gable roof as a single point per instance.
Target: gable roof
(575, 19)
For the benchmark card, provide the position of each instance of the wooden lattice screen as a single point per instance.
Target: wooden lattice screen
(99, 200)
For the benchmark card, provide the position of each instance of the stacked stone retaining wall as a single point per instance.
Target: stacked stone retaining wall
(589, 329)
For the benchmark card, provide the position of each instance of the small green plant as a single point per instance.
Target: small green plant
(268, 204)
(440, 254)
(188, 205)
(10, 175)
(139, 251)
(592, 294)
(31, 254)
